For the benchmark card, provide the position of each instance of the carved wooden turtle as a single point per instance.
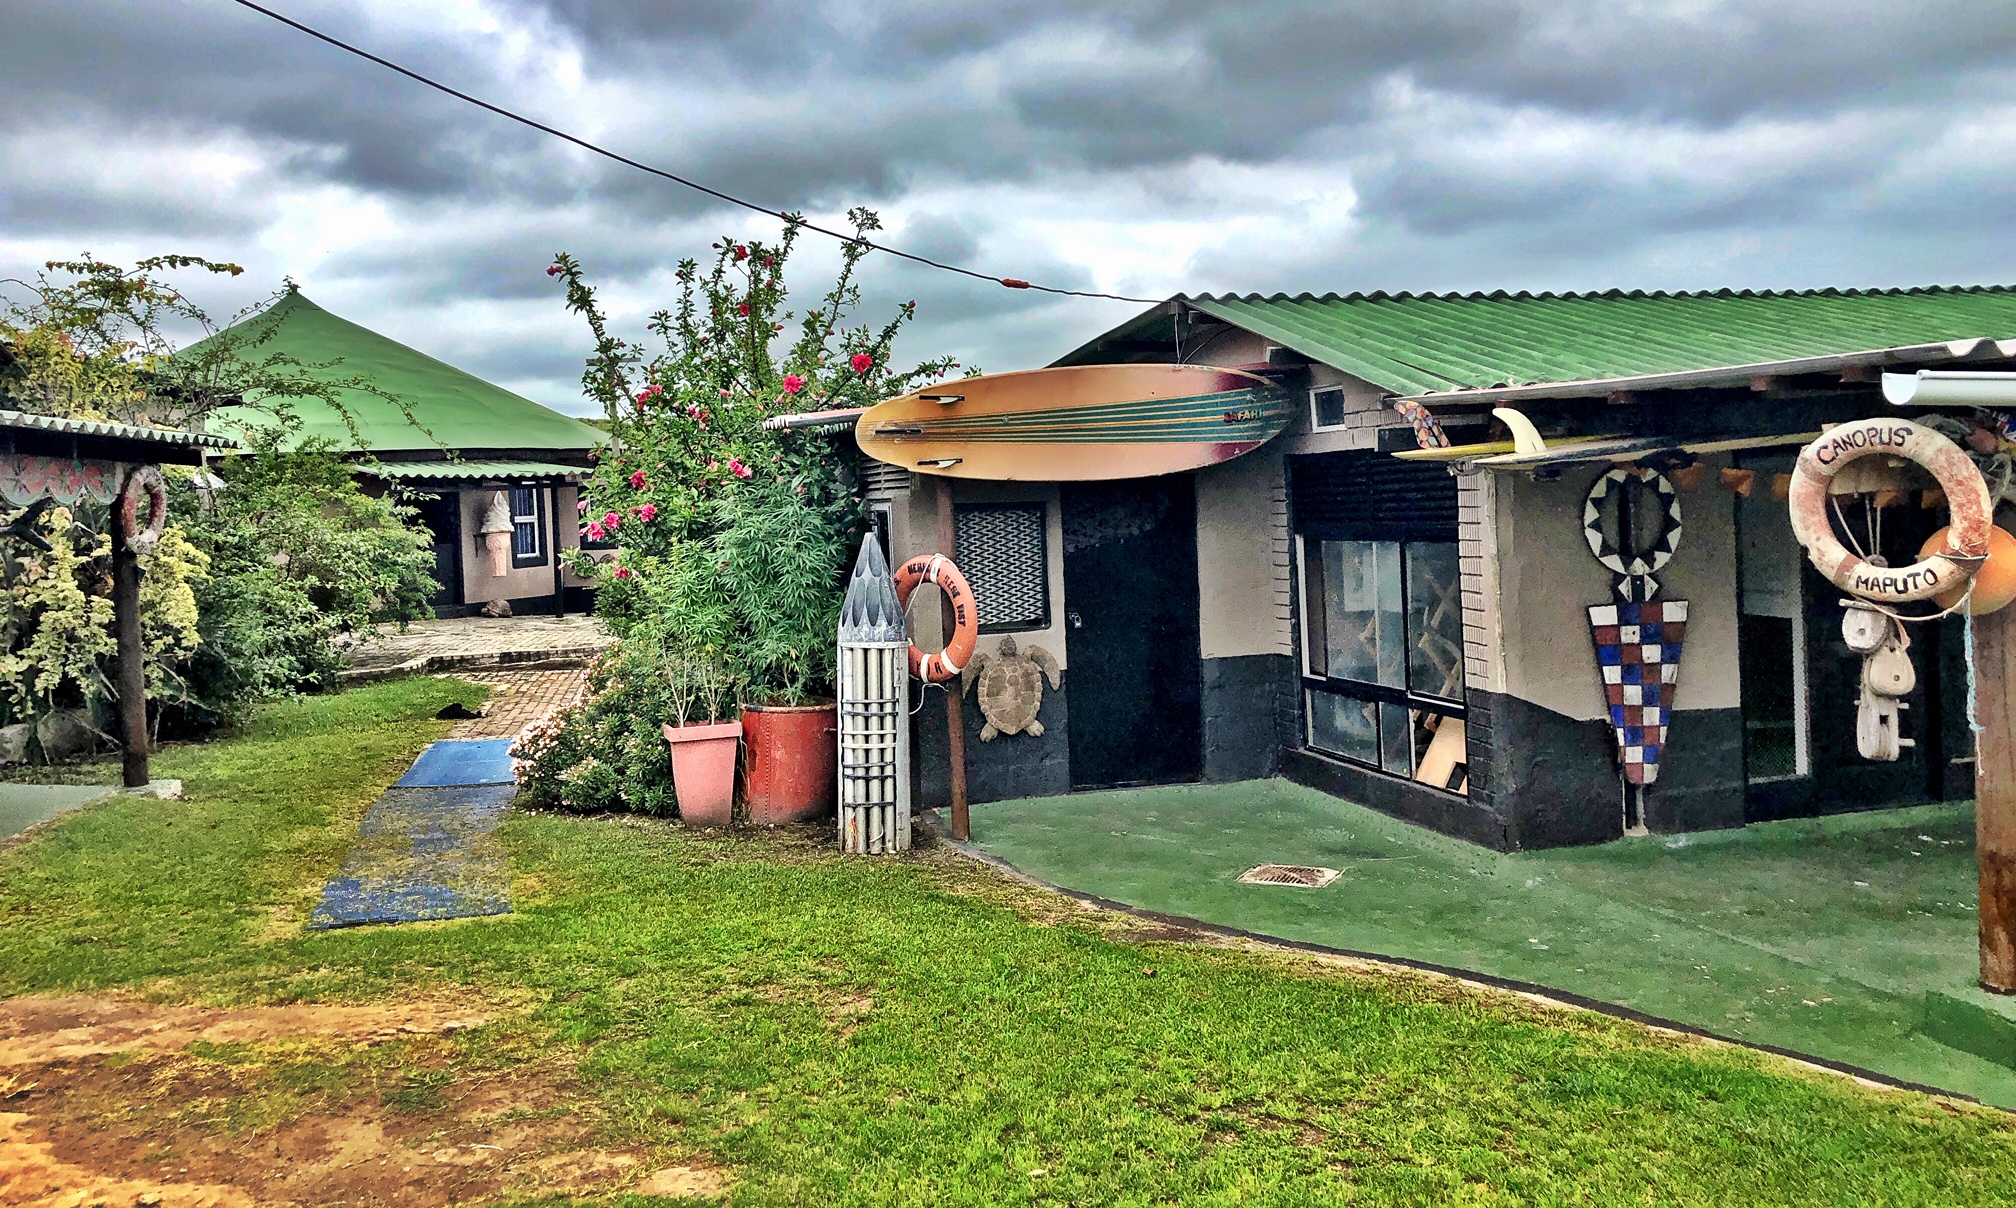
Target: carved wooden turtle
(1011, 688)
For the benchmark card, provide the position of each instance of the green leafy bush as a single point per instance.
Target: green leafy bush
(56, 644)
(298, 554)
(732, 540)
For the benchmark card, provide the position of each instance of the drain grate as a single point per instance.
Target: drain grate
(1301, 876)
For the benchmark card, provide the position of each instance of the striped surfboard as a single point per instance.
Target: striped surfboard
(1076, 424)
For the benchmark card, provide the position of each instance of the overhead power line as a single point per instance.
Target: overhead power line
(731, 199)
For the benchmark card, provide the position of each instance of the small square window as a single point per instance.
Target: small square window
(1326, 408)
(1004, 551)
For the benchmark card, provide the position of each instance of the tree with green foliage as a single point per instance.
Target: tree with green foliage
(732, 540)
(251, 581)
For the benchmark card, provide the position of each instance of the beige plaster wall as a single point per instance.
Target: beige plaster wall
(478, 585)
(1236, 571)
(1548, 579)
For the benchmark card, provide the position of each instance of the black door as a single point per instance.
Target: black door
(442, 514)
(1843, 781)
(1130, 598)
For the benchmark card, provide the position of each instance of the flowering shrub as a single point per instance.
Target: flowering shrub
(733, 540)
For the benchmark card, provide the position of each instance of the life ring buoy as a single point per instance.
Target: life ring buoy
(958, 652)
(1966, 497)
(142, 536)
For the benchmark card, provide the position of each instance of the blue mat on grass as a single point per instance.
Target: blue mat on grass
(482, 761)
(425, 850)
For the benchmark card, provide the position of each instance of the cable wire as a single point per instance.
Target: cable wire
(584, 144)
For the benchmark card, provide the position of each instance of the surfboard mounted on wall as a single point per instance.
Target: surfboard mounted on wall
(1077, 424)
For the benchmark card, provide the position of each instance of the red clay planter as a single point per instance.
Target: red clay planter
(791, 767)
(703, 771)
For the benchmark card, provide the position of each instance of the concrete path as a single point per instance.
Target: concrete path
(24, 805)
(1832, 937)
(479, 643)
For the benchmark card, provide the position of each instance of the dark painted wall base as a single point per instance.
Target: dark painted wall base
(1010, 766)
(1250, 713)
(1556, 782)
(1404, 799)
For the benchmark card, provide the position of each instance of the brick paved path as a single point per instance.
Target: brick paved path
(518, 698)
(479, 643)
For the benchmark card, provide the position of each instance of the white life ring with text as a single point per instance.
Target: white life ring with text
(1966, 497)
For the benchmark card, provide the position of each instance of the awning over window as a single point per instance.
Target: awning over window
(474, 471)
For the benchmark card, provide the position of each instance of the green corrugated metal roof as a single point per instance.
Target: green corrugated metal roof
(92, 427)
(458, 409)
(472, 470)
(1426, 343)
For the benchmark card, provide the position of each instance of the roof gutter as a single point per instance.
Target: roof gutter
(1950, 388)
(1727, 375)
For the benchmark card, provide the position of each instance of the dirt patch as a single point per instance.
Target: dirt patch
(183, 1107)
(37, 1030)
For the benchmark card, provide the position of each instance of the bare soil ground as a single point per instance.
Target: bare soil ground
(126, 1103)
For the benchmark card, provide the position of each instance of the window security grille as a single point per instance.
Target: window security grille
(1004, 552)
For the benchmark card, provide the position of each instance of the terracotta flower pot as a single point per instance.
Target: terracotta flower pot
(792, 766)
(703, 771)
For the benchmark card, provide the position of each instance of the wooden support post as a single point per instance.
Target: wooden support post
(132, 660)
(1995, 795)
(955, 710)
(553, 550)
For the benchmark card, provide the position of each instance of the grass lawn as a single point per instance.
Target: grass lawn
(854, 1031)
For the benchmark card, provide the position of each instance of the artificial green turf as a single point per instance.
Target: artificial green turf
(1821, 935)
(878, 1031)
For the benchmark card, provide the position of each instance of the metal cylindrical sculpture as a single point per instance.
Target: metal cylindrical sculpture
(874, 683)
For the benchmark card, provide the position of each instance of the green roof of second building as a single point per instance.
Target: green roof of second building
(1426, 343)
(456, 409)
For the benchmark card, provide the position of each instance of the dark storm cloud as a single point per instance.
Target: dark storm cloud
(1132, 145)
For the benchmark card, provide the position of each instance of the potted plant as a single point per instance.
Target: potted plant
(703, 744)
(781, 556)
(734, 538)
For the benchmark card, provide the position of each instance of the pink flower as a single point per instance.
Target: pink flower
(637, 481)
(594, 532)
(793, 383)
(611, 520)
(742, 308)
(580, 505)
(622, 572)
(801, 490)
(736, 468)
(862, 362)
(724, 392)
(553, 271)
(647, 513)
(741, 252)
(713, 466)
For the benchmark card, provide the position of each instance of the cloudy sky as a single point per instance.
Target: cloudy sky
(1138, 147)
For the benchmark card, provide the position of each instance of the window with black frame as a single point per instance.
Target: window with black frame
(528, 527)
(1381, 615)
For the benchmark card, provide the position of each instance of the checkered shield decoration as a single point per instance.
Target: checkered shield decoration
(1638, 649)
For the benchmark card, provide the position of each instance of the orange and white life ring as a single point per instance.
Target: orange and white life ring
(1966, 497)
(142, 535)
(937, 568)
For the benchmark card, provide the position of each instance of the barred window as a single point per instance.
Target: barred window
(1004, 552)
